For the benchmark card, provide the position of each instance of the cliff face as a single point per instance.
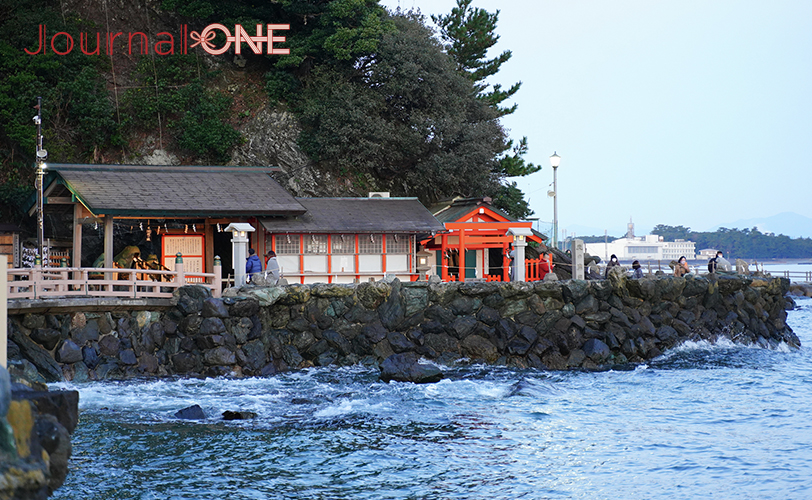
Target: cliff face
(270, 139)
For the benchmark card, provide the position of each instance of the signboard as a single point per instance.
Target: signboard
(190, 246)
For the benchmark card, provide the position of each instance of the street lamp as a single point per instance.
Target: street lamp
(42, 155)
(554, 161)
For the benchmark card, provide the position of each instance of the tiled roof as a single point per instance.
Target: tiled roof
(144, 190)
(453, 211)
(357, 215)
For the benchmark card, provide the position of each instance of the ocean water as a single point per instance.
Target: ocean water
(702, 421)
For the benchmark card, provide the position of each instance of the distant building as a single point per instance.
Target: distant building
(706, 253)
(649, 247)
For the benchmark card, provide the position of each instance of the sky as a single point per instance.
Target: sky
(692, 112)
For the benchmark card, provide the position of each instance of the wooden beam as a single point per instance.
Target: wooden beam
(77, 235)
(59, 200)
(108, 245)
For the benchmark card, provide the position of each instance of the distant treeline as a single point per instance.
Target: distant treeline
(736, 243)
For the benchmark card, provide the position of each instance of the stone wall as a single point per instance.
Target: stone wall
(260, 331)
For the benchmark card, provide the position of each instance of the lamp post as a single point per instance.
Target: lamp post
(555, 160)
(42, 155)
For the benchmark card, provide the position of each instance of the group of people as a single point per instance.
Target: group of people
(253, 265)
(716, 264)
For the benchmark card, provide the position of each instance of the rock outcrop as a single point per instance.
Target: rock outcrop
(35, 428)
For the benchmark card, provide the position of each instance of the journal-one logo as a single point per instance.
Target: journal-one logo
(164, 43)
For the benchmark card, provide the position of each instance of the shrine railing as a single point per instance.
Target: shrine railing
(71, 282)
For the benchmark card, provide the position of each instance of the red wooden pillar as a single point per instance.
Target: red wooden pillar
(444, 258)
(329, 258)
(462, 256)
(301, 258)
(505, 263)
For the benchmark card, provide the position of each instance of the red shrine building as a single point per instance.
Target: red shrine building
(482, 234)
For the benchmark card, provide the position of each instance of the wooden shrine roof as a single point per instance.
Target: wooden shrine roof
(358, 215)
(166, 190)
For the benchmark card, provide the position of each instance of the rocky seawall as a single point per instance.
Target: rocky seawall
(260, 331)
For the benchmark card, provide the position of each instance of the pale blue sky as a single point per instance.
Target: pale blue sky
(690, 112)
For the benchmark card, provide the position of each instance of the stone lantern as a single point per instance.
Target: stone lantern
(423, 263)
(239, 249)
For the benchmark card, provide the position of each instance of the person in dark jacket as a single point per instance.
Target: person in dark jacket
(253, 265)
(612, 263)
(638, 271)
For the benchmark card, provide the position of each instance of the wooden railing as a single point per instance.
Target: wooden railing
(71, 282)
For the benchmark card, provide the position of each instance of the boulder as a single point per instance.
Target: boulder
(88, 333)
(214, 308)
(127, 357)
(246, 307)
(194, 412)
(46, 337)
(212, 326)
(69, 352)
(596, 350)
(393, 311)
(90, 357)
(238, 415)
(399, 342)
(337, 342)
(478, 347)
(184, 362)
(219, 356)
(404, 367)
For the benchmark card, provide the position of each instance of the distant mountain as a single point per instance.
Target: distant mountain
(786, 223)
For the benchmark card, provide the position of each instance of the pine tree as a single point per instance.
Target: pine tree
(468, 33)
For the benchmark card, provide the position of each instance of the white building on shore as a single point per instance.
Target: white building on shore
(649, 247)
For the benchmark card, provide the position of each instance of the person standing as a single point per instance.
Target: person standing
(272, 265)
(637, 270)
(722, 263)
(612, 263)
(712, 264)
(252, 265)
(681, 269)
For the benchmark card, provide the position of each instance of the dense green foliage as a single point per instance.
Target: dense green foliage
(76, 112)
(171, 96)
(741, 243)
(409, 124)
(385, 101)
